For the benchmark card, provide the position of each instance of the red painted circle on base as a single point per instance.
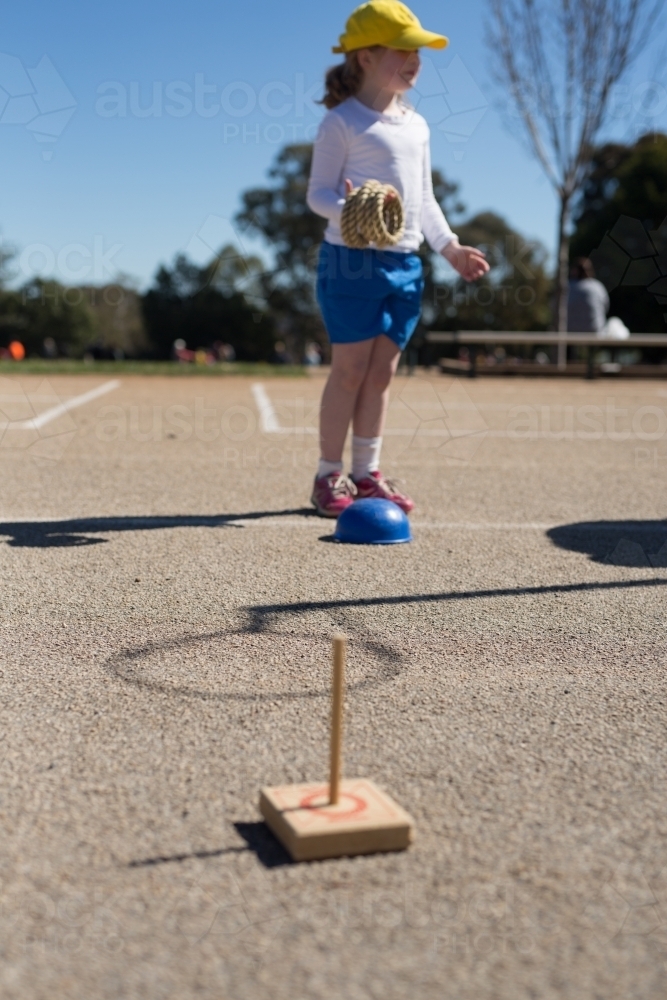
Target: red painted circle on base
(358, 805)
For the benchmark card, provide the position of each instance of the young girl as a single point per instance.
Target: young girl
(371, 299)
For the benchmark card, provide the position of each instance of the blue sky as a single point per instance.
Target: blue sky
(149, 119)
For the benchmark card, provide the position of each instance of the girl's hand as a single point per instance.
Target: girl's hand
(468, 261)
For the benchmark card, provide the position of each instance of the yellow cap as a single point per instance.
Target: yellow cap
(388, 23)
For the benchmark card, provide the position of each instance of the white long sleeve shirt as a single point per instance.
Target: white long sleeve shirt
(361, 144)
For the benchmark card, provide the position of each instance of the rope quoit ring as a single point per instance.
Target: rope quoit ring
(366, 218)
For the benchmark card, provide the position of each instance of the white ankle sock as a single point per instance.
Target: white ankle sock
(326, 468)
(365, 456)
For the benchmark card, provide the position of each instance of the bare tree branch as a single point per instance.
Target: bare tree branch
(559, 61)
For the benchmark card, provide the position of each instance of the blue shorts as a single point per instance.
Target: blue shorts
(363, 293)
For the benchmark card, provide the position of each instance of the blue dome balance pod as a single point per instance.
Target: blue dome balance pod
(373, 522)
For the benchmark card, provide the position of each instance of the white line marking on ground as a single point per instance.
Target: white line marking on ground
(308, 521)
(269, 424)
(485, 526)
(268, 419)
(305, 521)
(47, 416)
(277, 522)
(267, 415)
(455, 434)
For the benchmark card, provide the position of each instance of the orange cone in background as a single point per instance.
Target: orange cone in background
(17, 350)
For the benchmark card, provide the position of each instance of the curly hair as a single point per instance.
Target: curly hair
(342, 81)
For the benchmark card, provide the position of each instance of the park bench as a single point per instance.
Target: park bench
(474, 340)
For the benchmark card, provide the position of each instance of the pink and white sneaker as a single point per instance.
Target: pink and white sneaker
(375, 485)
(332, 494)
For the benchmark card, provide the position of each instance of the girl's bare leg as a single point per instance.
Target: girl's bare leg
(372, 399)
(349, 366)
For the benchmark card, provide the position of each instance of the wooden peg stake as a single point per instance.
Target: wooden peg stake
(338, 696)
(351, 816)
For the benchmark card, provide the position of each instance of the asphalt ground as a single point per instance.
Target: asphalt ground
(167, 605)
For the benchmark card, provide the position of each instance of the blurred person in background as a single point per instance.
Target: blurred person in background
(313, 355)
(588, 301)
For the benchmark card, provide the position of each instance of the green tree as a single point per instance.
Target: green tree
(559, 62)
(201, 305)
(12, 324)
(117, 320)
(435, 268)
(621, 223)
(515, 295)
(44, 309)
(280, 215)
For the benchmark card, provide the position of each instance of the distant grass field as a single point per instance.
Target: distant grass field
(44, 366)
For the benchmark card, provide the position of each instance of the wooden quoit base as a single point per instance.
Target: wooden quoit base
(364, 821)
(343, 817)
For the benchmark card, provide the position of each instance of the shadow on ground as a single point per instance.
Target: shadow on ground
(266, 848)
(168, 859)
(616, 543)
(77, 531)
(129, 665)
(262, 616)
(258, 840)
